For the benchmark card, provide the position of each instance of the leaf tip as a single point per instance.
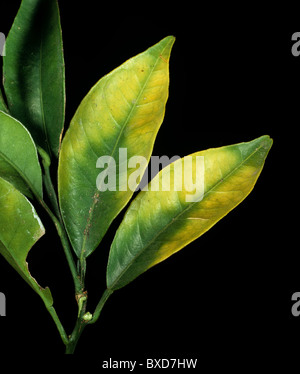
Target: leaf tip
(267, 142)
(163, 48)
(170, 40)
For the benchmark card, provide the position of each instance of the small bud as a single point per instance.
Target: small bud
(87, 317)
(80, 301)
(45, 157)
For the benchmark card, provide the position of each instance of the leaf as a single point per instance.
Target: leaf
(124, 110)
(20, 229)
(19, 163)
(2, 102)
(33, 68)
(160, 223)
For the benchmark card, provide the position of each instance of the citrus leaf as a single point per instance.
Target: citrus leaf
(124, 110)
(19, 163)
(20, 229)
(159, 223)
(2, 103)
(33, 69)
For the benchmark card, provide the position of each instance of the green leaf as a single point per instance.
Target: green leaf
(33, 68)
(19, 163)
(2, 102)
(20, 229)
(123, 110)
(160, 223)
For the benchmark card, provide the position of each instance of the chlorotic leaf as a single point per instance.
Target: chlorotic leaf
(33, 69)
(20, 229)
(159, 223)
(121, 113)
(19, 162)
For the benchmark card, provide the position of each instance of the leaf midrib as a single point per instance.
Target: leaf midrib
(41, 95)
(182, 212)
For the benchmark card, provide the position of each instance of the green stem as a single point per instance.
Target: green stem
(100, 305)
(66, 247)
(85, 319)
(78, 275)
(79, 326)
(58, 324)
(51, 192)
(58, 222)
(78, 329)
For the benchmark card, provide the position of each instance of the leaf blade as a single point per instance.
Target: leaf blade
(20, 229)
(33, 69)
(158, 224)
(2, 103)
(124, 110)
(19, 163)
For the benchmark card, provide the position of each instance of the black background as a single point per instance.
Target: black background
(226, 298)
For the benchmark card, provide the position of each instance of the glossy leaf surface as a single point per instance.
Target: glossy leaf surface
(19, 163)
(160, 223)
(33, 70)
(124, 110)
(20, 229)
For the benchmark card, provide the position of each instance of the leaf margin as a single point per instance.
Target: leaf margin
(18, 252)
(34, 182)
